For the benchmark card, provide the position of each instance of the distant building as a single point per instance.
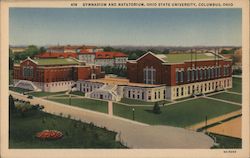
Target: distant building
(72, 49)
(53, 75)
(113, 59)
(156, 77)
(116, 59)
(18, 49)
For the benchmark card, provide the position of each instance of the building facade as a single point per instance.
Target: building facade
(183, 74)
(53, 75)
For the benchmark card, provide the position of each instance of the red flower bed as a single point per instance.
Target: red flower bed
(49, 134)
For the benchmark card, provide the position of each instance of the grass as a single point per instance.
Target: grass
(228, 97)
(62, 96)
(18, 90)
(237, 85)
(135, 102)
(76, 134)
(44, 94)
(179, 115)
(78, 93)
(138, 102)
(226, 142)
(91, 104)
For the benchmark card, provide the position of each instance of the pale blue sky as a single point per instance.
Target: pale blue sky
(151, 27)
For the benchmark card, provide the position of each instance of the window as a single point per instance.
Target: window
(177, 76)
(215, 73)
(28, 71)
(201, 74)
(188, 89)
(159, 95)
(149, 75)
(164, 94)
(197, 75)
(177, 92)
(129, 94)
(205, 73)
(208, 73)
(142, 95)
(155, 95)
(149, 97)
(219, 72)
(182, 72)
(212, 73)
(188, 75)
(193, 71)
(182, 91)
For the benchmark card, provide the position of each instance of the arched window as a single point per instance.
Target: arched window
(201, 75)
(188, 75)
(197, 74)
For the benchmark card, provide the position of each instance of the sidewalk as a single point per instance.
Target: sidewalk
(214, 120)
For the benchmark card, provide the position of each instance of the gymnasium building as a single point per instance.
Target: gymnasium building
(53, 74)
(155, 77)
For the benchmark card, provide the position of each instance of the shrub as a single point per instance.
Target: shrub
(156, 108)
(12, 107)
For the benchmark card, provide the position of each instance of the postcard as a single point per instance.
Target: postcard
(125, 78)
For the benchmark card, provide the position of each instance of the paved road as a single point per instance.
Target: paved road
(132, 134)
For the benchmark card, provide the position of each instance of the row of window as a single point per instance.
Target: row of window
(202, 88)
(59, 84)
(141, 96)
(202, 74)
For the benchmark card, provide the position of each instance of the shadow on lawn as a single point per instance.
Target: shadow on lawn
(151, 111)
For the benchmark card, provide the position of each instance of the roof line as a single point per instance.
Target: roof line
(147, 54)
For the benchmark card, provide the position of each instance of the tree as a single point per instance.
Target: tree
(156, 109)
(12, 107)
(108, 49)
(42, 50)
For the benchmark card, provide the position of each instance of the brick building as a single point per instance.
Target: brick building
(53, 75)
(183, 75)
(113, 59)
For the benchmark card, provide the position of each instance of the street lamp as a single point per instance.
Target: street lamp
(70, 99)
(206, 123)
(133, 113)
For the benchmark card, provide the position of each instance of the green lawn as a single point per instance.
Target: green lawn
(96, 105)
(237, 82)
(228, 97)
(226, 142)
(135, 102)
(43, 94)
(62, 96)
(180, 114)
(18, 90)
(78, 93)
(76, 134)
(138, 102)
